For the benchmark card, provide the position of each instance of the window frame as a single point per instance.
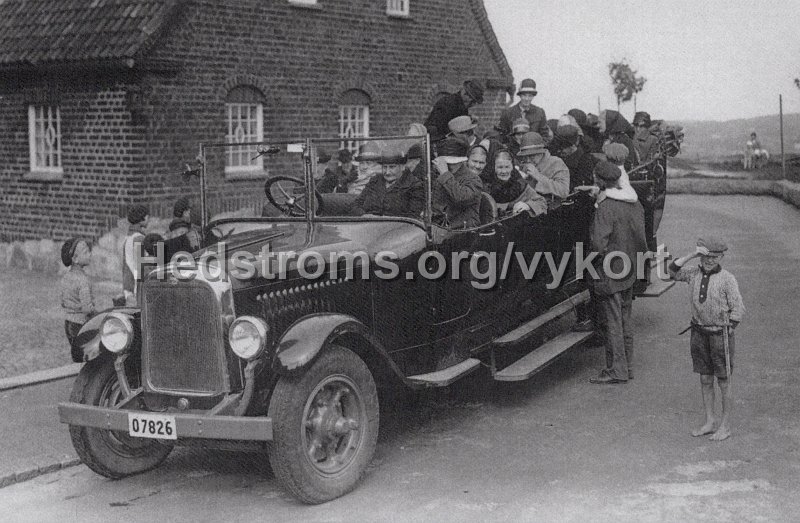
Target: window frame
(55, 155)
(398, 8)
(258, 165)
(352, 142)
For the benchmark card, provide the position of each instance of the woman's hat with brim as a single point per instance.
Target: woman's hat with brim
(527, 86)
(453, 150)
(531, 143)
(521, 126)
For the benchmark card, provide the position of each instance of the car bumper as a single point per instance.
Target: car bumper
(188, 425)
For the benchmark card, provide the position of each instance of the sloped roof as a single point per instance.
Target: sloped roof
(42, 31)
(482, 17)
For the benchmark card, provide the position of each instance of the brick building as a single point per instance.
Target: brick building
(103, 101)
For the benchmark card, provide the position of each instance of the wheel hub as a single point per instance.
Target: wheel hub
(333, 424)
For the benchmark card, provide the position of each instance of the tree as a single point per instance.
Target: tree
(797, 82)
(626, 84)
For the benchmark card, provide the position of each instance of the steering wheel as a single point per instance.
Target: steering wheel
(288, 195)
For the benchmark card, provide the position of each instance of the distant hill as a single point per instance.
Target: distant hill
(718, 140)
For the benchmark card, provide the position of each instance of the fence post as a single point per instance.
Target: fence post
(783, 156)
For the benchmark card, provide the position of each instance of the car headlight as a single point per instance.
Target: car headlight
(247, 336)
(116, 333)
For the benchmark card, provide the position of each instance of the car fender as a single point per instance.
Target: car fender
(88, 338)
(305, 339)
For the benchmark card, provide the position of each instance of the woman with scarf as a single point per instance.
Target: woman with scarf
(509, 188)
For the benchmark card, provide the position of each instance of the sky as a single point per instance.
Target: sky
(703, 59)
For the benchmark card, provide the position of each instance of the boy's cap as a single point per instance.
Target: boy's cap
(137, 214)
(607, 171)
(712, 245)
(68, 251)
(616, 152)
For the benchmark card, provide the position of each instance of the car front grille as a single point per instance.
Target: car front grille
(182, 338)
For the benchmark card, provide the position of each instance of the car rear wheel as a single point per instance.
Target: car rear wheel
(325, 426)
(113, 454)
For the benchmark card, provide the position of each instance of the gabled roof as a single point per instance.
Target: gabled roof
(482, 17)
(37, 32)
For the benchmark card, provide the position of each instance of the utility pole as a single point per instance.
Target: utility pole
(783, 156)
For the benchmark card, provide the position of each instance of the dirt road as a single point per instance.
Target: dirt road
(555, 448)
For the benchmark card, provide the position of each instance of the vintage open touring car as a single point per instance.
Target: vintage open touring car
(293, 364)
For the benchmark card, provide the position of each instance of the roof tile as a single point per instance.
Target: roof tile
(36, 31)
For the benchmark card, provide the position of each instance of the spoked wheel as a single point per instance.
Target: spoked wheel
(325, 426)
(288, 195)
(113, 454)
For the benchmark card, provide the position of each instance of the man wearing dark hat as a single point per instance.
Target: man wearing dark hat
(579, 162)
(457, 189)
(137, 217)
(536, 117)
(450, 106)
(617, 233)
(716, 307)
(339, 180)
(591, 140)
(547, 174)
(395, 191)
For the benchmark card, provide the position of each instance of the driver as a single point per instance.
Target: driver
(393, 190)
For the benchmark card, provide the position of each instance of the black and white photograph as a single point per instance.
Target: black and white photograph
(399, 260)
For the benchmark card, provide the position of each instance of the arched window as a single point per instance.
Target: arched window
(353, 118)
(245, 123)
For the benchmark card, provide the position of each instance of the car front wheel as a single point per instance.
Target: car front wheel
(113, 454)
(325, 426)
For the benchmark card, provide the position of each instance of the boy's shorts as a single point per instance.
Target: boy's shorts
(708, 353)
(72, 329)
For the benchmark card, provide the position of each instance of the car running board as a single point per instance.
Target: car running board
(536, 360)
(444, 377)
(526, 330)
(656, 289)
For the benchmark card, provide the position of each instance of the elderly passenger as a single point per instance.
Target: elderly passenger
(456, 190)
(547, 174)
(368, 166)
(510, 190)
(394, 191)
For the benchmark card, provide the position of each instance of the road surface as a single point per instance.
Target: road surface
(554, 448)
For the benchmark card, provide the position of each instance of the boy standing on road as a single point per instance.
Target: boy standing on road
(716, 304)
(76, 291)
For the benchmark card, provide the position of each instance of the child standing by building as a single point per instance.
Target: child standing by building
(77, 299)
(716, 304)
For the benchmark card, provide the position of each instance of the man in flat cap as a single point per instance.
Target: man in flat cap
(617, 232)
(716, 308)
(450, 106)
(535, 115)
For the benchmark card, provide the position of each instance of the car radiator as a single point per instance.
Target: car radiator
(182, 338)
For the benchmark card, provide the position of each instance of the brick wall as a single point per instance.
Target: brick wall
(101, 156)
(300, 59)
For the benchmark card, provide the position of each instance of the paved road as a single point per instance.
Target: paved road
(554, 448)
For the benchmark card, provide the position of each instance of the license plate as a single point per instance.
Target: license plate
(155, 426)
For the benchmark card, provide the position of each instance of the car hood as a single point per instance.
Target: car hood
(258, 240)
